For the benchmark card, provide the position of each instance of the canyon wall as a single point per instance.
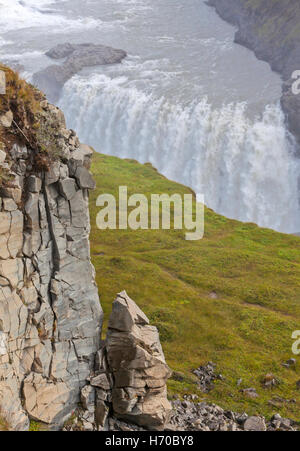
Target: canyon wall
(270, 28)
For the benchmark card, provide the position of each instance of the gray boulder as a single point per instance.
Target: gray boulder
(255, 424)
(52, 79)
(136, 360)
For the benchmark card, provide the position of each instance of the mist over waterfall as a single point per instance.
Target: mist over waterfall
(243, 166)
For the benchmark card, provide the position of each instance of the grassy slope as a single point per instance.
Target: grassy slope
(255, 273)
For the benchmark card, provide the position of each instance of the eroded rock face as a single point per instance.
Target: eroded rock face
(77, 56)
(270, 29)
(50, 315)
(130, 374)
(137, 364)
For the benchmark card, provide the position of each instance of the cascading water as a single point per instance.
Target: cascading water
(243, 166)
(201, 109)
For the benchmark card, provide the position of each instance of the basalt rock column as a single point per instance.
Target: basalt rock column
(137, 365)
(50, 315)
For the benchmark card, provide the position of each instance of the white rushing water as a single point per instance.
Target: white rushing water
(201, 109)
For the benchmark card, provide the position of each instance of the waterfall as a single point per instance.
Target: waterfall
(201, 109)
(244, 167)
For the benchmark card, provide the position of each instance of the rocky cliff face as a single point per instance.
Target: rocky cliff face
(50, 315)
(130, 374)
(272, 29)
(51, 357)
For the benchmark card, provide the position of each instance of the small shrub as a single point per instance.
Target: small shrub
(35, 426)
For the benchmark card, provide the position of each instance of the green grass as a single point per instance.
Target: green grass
(255, 272)
(35, 426)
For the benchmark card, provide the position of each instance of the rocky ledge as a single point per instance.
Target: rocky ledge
(271, 30)
(74, 57)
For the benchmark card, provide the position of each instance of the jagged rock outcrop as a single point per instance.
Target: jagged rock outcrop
(77, 56)
(137, 363)
(129, 381)
(50, 315)
(271, 29)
